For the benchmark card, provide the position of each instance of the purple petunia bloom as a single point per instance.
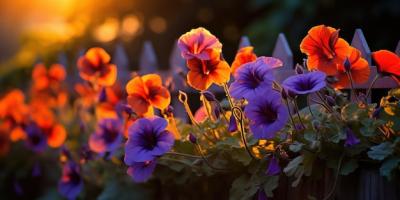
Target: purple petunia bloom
(273, 167)
(36, 140)
(305, 83)
(254, 77)
(147, 139)
(267, 114)
(351, 138)
(141, 171)
(107, 137)
(71, 182)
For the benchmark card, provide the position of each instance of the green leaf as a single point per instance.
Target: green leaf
(242, 189)
(388, 166)
(381, 151)
(296, 146)
(270, 185)
(241, 155)
(349, 167)
(293, 165)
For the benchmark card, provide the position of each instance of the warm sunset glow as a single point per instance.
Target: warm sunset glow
(107, 31)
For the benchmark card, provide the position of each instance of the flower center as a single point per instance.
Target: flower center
(304, 85)
(269, 114)
(149, 141)
(110, 135)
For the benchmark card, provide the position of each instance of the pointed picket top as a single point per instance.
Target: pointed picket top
(283, 52)
(148, 59)
(244, 42)
(120, 59)
(176, 63)
(62, 59)
(398, 48)
(361, 44)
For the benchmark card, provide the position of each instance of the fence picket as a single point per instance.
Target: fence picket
(283, 52)
(244, 42)
(361, 44)
(398, 48)
(148, 59)
(120, 59)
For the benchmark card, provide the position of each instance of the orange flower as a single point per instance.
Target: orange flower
(13, 107)
(203, 73)
(87, 94)
(359, 70)
(244, 55)
(145, 92)
(95, 67)
(199, 43)
(43, 78)
(44, 118)
(388, 64)
(325, 50)
(107, 108)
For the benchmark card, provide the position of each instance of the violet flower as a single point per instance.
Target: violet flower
(267, 114)
(232, 124)
(273, 167)
(71, 182)
(107, 137)
(261, 195)
(305, 83)
(254, 77)
(141, 171)
(351, 138)
(147, 139)
(36, 139)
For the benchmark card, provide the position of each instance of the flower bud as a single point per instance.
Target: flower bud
(232, 124)
(351, 138)
(209, 96)
(347, 65)
(217, 111)
(299, 69)
(192, 138)
(169, 110)
(103, 95)
(376, 112)
(331, 101)
(273, 167)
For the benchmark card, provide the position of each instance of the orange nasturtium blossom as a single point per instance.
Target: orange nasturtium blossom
(203, 73)
(387, 63)
(106, 108)
(199, 43)
(244, 55)
(45, 78)
(95, 67)
(359, 70)
(147, 91)
(325, 50)
(44, 118)
(13, 107)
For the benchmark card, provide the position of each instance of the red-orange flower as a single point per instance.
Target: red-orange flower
(145, 92)
(387, 63)
(107, 107)
(359, 70)
(199, 43)
(95, 67)
(13, 109)
(203, 73)
(244, 55)
(45, 119)
(325, 50)
(44, 79)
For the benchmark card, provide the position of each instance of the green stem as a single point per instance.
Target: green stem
(183, 99)
(309, 106)
(298, 113)
(352, 86)
(290, 114)
(336, 178)
(372, 84)
(183, 154)
(226, 89)
(239, 116)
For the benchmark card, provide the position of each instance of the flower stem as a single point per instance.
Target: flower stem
(238, 114)
(336, 178)
(298, 113)
(226, 89)
(290, 114)
(182, 154)
(352, 86)
(206, 106)
(309, 106)
(183, 99)
(198, 148)
(371, 85)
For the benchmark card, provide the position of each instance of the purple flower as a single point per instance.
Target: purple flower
(71, 183)
(254, 77)
(273, 167)
(36, 140)
(351, 138)
(147, 139)
(232, 124)
(261, 195)
(141, 171)
(267, 114)
(192, 138)
(305, 83)
(107, 137)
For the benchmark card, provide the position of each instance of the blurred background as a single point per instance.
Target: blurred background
(41, 30)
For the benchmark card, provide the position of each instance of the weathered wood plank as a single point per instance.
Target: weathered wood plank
(361, 44)
(148, 59)
(283, 52)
